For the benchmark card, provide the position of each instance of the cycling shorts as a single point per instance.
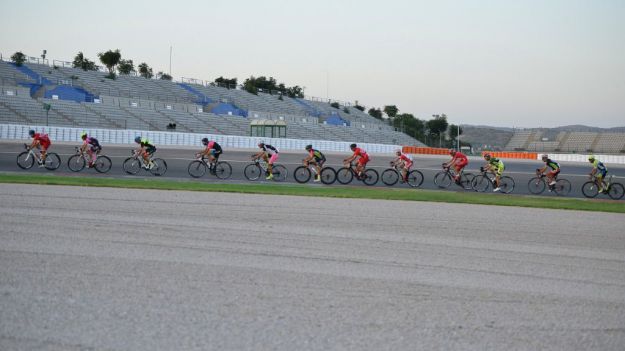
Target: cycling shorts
(460, 165)
(150, 149)
(216, 153)
(554, 173)
(363, 161)
(44, 146)
(499, 170)
(273, 158)
(601, 173)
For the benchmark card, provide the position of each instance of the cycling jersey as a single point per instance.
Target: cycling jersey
(92, 141)
(360, 152)
(405, 157)
(318, 155)
(43, 139)
(215, 146)
(599, 166)
(461, 157)
(145, 142)
(552, 164)
(270, 149)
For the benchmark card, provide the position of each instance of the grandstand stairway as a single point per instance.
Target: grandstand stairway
(17, 113)
(593, 146)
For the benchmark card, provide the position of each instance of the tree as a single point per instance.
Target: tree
(375, 113)
(227, 83)
(452, 131)
(18, 58)
(250, 85)
(163, 76)
(335, 104)
(408, 124)
(358, 107)
(438, 126)
(110, 59)
(391, 110)
(295, 92)
(125, 67)
(145, 71)
(80, 61)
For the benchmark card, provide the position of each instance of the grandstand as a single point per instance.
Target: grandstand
(79, 98)
(545, 140)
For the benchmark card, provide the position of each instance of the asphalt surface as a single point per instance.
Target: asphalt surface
(124, 269)
(178, 160)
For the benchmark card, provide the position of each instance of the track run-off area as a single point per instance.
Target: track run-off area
(178, 160)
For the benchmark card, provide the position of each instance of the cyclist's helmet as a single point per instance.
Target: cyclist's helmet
(452, 152)
(487, 156)
(205, 141)
(261, 143)
(31, 133)
(83, 135)
(138, 140)
(353, 146)
(398, 152)
(308, 147)
(591, 158)
(544, 157)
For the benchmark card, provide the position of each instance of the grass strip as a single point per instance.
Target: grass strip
(325, 191)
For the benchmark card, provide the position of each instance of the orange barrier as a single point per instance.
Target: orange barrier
(425, 150)
(518, 155)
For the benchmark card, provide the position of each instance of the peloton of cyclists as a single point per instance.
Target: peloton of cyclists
(42, 142)
(599, 170)
(315, 158)
(269, 154)
(552, 175)
(404, 162)
(458, 160)
(363, 159)
(146, 150)
(91, 145)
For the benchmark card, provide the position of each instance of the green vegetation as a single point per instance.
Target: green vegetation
(145, 71)
(255, 84)
(325, 191)
(18, 58)
(80, 61)
(110, 59)
(125, 67)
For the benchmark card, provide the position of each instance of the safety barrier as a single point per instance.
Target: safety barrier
(517, 155)
(125, 136)
(425, 150)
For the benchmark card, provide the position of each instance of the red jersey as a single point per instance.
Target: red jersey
(405, 158)
(460, 156)
(360, 152)
(42, 138)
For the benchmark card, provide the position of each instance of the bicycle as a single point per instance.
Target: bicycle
(613, 189)
(486, 179)
(444, 178)
(134, 163)
(346, 174)
(391, 176)
(538, 184)
(253, 171)
(302, 174)
(26, 159)
(77, 162)
(220, 169)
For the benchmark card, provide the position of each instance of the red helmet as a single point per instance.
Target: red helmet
(452, 152)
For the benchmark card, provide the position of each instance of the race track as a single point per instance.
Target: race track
(118, 269)
(178, 160)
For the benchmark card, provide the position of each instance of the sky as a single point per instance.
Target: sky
(501, 63)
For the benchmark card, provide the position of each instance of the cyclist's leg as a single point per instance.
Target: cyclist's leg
(44, 152)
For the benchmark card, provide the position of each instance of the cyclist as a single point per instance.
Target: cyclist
(40, 141)
(553, 173)
(269, 154)
(363, 158)
(458, 160)
(495, 166)
(213, 150)
(315, 158)
(599, 170)
(146, 149)
(91, 145)
(404, 162)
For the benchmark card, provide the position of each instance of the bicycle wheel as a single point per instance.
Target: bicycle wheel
(506, 184)
(466, 181)
(415, 178)
(302, 174)
(76, 163)
(252, 171)
(616, 191)
(328, 175)
(102, 164)
(53, 161)
(480, 183)
(536, 185)
(196, 169)
(132, 165)
(279, 173)
(562, 187)
(344, 175)
(25, 160)
(371, 177)
(589, 189)
(390, 177)
(442, 179)
(159, 167)
(223, 170)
